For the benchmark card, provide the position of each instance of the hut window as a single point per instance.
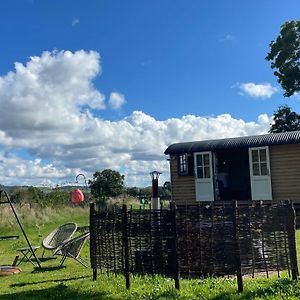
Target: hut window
(203, 166)
(183, 164)
(259, 162)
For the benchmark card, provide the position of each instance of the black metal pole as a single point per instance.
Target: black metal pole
(23, 231)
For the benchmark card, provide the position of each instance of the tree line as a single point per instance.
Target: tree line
(110, 183)
(104, 185)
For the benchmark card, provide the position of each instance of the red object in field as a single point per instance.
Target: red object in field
(77, 196)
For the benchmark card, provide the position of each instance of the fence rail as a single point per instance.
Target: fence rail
(195, 240)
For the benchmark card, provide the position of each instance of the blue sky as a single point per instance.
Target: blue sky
(158, 69)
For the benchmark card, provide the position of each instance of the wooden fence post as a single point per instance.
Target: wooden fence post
(239, 275)
(92, 239)
(174, 247)
(291, 228)
(126, 247)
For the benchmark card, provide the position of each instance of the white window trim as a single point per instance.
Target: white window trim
(210, 164)
(268, 161)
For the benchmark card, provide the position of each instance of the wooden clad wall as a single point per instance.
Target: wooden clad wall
(285, 176)
(285, 171)
(183, 187)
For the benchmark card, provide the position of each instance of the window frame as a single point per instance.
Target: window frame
(182, 161)
(260, 162)
(203, 167)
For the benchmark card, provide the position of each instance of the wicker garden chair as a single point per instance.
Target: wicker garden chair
(72, 249)
(59, 236)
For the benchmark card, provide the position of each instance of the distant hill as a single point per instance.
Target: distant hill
(68, 188)
(10, 189)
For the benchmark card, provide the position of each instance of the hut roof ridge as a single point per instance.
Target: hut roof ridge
(291, 137)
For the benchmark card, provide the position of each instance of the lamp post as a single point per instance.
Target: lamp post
(155, 199)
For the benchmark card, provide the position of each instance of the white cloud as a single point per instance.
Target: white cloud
(75, 21)
(116, 100)
(135, 145)
(45, 96)
(264, 90)
(46, 108)
(14, 171)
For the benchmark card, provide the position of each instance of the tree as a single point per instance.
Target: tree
(105, 184)
(57, 198)
(30, 195)
(285, 57)
(167, 186)
(133, 191)
(285, 120)
(165, 190)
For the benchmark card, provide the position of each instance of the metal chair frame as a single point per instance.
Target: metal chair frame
(72, 249)
(58, 236)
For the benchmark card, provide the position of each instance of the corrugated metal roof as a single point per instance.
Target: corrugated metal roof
(292, 137)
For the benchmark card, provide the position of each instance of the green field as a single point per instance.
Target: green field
(75, 282)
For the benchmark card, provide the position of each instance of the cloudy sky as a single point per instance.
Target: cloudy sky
(89, 85)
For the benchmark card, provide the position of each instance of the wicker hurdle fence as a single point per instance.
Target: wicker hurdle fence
(195, 241)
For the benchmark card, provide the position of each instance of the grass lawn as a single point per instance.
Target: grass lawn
(75, 282)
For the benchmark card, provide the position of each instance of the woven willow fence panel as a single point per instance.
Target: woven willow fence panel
(195, 241)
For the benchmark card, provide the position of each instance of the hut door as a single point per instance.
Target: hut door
(204, 176)
(260, 173)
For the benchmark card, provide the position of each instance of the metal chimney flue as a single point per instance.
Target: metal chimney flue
(155, 200)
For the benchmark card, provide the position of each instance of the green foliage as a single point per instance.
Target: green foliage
(57, 198)
(105, 184)
(133, 191)
(35, 196)
(285, 120)
(285, 57)
(139, 192)
(30, 195)
(164, 191)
